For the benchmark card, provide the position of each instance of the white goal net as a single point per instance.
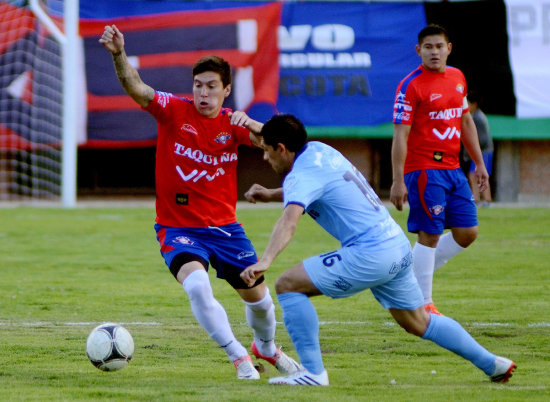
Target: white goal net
(31, 111)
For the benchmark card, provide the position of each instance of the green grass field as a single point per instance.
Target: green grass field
(62, 272)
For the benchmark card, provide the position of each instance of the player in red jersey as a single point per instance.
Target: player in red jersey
(430, 118)
(196, 225)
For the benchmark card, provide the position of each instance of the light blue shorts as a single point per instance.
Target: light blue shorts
(387, 272)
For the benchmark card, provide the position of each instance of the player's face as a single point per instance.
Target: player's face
(434, 51)
(209, 93)
(276, 158)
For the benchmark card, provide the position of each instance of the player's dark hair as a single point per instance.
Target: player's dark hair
(215, 64)
(432, 29)
(475, 97)
(285, 129)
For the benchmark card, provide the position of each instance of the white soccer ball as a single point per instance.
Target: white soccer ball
(110, 347)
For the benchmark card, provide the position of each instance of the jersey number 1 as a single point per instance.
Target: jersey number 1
(360, 181)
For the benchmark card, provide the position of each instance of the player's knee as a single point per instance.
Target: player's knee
(262, 306)
(415, 322)
(197, 285)
(283, 284)
(415, 328)
(465, 236)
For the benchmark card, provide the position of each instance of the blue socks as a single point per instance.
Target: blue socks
(302, 325)
(450, 335)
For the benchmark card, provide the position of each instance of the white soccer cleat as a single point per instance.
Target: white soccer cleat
(504, 368)
(285, 364)
(245, 369)
(303, 377)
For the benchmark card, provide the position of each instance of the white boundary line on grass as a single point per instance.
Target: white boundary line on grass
(322, 323)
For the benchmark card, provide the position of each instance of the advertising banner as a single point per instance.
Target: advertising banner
(529, 49)
(341, 62)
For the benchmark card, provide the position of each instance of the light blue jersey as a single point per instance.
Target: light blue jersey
(375, 252)
(337, 196)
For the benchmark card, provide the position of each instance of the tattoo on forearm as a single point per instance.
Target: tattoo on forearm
(126, 74)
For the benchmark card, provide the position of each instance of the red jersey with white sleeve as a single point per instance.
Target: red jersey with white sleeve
(196, 164)
(432, 104)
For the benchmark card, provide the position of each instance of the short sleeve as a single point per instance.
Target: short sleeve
(163, 105)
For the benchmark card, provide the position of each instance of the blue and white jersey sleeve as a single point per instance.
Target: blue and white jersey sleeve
(337, 196)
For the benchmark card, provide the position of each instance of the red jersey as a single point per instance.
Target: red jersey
(432, 104)
(196, 164)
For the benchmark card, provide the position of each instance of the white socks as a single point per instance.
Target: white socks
(446, 249)
(426, 260)
(423, 264)
(260, 316)
(210, 314)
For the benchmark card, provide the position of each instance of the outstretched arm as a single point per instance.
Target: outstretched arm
(283, 231)
(113, 40)
(398, 192)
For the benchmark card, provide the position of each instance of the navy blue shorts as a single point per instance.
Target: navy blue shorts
(226, 248)
(439, 199)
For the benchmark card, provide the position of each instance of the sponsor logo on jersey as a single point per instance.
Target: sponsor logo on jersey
(436, 209)
(222, 138)
(449, 133)
(399, 107)
(163, 98)
(183, 240)
(189, 128)
(447, 114)
(198, 156)
(245, 254)
(400, 98)
(438, 156)
(182, 199)
(435, 97)
(195, 175)
(404, 116)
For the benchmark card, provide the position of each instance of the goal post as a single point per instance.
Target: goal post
(69, 43)
(40, 114)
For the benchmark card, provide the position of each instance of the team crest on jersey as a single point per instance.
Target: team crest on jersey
(183, 240)
(435, 97)
(222, 138)
(189, 128)
(460, 88)
(436, 209)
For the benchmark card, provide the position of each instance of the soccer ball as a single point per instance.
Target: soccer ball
(110, 347)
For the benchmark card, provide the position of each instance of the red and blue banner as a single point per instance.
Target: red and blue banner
(164, 47)
(28, 82)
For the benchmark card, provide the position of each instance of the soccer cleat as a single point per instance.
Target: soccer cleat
(285, 364)
(431, 309)
(504, 368)
(303, 377)
(245, 369)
